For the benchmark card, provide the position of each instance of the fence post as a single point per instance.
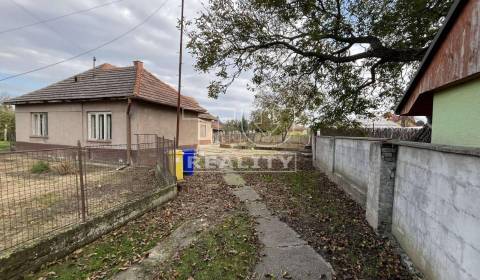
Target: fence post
(82, 185)
(174, 171)
(164, 158)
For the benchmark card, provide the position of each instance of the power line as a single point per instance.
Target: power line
(92, 49)
(58, 17)
(28, 12)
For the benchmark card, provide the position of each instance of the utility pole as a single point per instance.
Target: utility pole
(179, 76)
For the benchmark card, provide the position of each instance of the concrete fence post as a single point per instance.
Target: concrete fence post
(333, 154)
(82, 183)
(381, 184)
(314, 147)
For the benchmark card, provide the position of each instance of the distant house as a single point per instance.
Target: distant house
(205, 130)
(446, 87)
(298, 129)
(217, 128)
(107, 104)
(378, 123)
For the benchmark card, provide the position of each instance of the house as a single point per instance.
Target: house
(217, 127)
(106, 104)
(378, 123)
(205, 128)
(446, 87)
(298, 129)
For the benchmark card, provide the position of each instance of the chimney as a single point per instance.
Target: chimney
(138, 75)
(138, 64)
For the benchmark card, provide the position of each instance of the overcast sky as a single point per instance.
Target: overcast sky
(155, 43)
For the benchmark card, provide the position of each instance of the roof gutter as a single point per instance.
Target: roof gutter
(437, 41)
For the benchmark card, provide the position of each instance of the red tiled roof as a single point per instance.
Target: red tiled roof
(217, 125)
(110, 82)
(207, 116)
(154, 90)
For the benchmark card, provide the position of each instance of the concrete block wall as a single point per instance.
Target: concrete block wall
(324, 150)
(352, 165)
(436, 211)
(427, 196)
(346, 160)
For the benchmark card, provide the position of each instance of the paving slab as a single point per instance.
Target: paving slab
(293, 262)
(257, 209)
(285, 255)
(233, 179)
(275, 233)
(246, 193)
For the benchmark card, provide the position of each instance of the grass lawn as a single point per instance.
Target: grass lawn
(228, 251)
(4, 145)
(108, 255)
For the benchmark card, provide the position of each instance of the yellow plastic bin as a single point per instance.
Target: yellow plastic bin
(179, 165)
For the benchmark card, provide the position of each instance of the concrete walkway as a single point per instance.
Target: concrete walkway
(178, 240)
(284, 255)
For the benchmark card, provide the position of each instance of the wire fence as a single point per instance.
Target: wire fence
(417, 134)
(262, 139)
(47, 191)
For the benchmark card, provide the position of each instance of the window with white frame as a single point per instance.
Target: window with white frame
(40, 124)
(100, 126)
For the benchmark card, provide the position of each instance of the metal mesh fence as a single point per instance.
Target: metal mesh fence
(47, 191)
(400, 133)
(262, 139)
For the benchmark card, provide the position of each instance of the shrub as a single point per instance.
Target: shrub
(65, 168)
(40, 167)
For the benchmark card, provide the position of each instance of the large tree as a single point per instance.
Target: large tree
(348, 57)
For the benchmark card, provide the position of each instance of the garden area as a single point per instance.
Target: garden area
(41, 193)
(226, 249)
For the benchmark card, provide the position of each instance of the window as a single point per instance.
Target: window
(40, 124)
(203, 130)
(100, 126)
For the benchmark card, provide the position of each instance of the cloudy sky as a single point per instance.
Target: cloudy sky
(155, 43)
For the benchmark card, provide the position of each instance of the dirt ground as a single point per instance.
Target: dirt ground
(35, 205)
(203, 196)
(327, 218)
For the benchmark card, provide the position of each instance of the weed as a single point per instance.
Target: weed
(47, 200)
(65, 168)
(228, 251)
(40, 167)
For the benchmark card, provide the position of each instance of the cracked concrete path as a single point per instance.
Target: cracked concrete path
(179, 239)
(284, 255)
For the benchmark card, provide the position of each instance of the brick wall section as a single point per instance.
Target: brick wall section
(387, 181)
(138, 75)
(381, 183)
